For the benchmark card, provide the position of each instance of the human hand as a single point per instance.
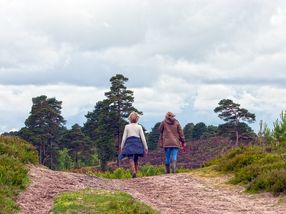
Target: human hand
(184, 147)
(146, 151)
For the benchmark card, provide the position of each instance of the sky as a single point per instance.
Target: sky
(182, 56)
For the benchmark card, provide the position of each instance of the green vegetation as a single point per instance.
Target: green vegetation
(255, 168)
(106, 123)
(99, 201)
(232, 114)
(42, 128)
(14, 154)
(153, 137)
(121, 173)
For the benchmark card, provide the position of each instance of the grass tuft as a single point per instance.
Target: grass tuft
(99, 201)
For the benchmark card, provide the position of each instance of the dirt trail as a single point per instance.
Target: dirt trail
(180, 193)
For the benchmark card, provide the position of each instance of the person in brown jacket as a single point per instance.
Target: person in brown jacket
(171, 139)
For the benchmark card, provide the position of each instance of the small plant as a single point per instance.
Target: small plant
(99, 201)
(145, 170)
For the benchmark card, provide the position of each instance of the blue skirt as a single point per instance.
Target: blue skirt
(133, 146)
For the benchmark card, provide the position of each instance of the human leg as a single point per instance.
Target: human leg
(167, 159)
(132, 166)
(136, 157)
(174, 154)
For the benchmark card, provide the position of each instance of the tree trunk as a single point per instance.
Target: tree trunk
(51, 154)
(117, 147)
(41, 153)
(236, 142)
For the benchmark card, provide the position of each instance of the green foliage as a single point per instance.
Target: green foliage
(279, 130)
(80, 147)
(210, 132)
(198, 130)
(188, 130)
(106, 123)
(151, 170)
(42, 128)
(153, 137)
(15, 147)
(145, 170)
(232, 114)
(255, 168)
(120, 101)
(273, 181)
(64, 160)
(14, 154)
(99, 201)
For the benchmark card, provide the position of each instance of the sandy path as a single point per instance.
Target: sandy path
(180, 193)
(46, 184)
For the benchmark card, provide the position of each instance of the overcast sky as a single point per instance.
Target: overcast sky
(179, 55)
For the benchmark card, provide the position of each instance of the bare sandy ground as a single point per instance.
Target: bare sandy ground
(179, 193)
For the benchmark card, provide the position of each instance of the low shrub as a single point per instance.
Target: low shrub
(255, 168)
(239, 158)
(273, 180)
(14, 154)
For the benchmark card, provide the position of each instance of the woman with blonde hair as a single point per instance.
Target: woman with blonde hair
(133, 143)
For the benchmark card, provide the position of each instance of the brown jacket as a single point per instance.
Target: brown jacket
(171, 133)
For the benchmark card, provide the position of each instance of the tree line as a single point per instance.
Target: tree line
(98, 140)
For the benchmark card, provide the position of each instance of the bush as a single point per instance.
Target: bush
(14, 154)
(240, 158)
(256, 169)
(271, 181)
(18, 148)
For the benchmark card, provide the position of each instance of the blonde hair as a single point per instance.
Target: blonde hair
(133, 117)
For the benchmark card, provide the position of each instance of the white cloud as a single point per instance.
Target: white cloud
(182, 56)
(16, 102)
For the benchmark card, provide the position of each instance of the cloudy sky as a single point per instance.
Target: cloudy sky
(179, 55)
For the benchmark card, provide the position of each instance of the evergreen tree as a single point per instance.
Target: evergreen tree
(210, 132)
(188, 130)
(153, 137)
(79, 145)
(121, 105)
(198, 130)
(43, 126)
(105, 132)
(231, 113)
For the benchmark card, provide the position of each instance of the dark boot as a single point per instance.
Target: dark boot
(167, 168)
(174, 165)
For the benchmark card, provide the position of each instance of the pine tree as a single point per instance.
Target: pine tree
(233, 114)
(198, 130)
(79, 145)
(121, 105)
(43, 126)
(188, 130)
(153, 137)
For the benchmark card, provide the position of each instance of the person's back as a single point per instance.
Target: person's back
(133, 143)
(171, 133)
(134, 130)
(171, 139)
